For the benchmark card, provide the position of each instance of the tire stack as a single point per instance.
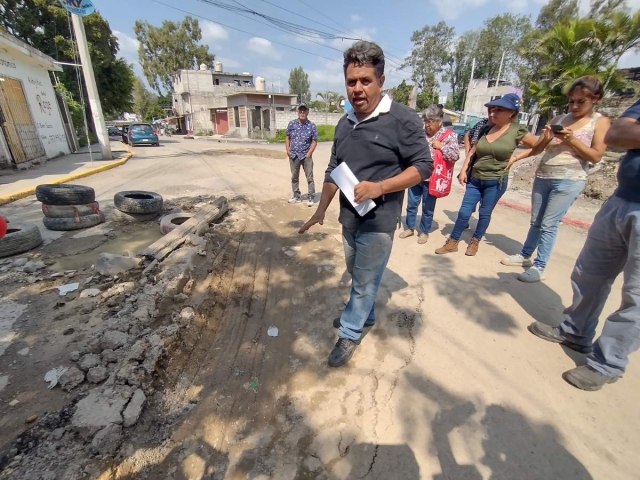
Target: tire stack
(69, 207)
(19, 238)
(136, 206)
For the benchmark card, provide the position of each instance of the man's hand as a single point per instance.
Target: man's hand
(367, 190)
(317, 217)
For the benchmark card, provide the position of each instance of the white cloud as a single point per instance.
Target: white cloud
(355, 18)
(128, 46)
(228, 63)
(263, 47)
(212, 32)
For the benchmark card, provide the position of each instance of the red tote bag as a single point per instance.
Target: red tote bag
(440, 181)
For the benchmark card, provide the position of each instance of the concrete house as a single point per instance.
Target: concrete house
(214, 101)
(34, 121)
(482, 91)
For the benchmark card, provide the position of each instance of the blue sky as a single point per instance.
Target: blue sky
(264, 50)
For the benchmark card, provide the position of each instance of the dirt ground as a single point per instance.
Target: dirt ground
(447, 385)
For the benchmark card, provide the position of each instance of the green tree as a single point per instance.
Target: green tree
(426, 98)
(332, 100)
(582, 47)
(171, 47)
(501, 34)
(401, 92)
(603, 8)
(318, 105)
(458, 72)
(429, 56)
(143, 99)
(44, 24)
(299, 84)
(556, 11)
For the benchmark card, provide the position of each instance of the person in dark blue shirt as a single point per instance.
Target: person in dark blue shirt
(612, 247)
(301, 141)
(384, 145)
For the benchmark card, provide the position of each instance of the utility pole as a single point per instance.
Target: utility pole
(92, 89)
(466, 93)
(499, 73)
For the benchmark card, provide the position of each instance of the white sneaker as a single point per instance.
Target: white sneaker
(295, 200)
(533, 275)
(516, 261)
(310, 202)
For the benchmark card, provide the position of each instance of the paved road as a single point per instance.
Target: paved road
(448, 385)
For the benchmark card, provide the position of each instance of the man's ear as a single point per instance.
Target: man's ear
(381, 80)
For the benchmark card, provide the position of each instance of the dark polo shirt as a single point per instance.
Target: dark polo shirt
(381, 146)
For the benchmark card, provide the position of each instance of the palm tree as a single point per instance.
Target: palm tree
(332, 100)
(581, 47)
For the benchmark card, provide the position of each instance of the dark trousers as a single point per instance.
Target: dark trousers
(307, 166)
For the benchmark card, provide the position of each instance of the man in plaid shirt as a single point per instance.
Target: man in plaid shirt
(471, 137)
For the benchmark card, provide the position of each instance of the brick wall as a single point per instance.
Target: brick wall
(319, 118)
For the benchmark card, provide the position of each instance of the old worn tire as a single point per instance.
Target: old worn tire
(122, 217)
(72, 223)
(138, 202)
(20, 237)
(64, 211)
(172, 221)
(65, 194)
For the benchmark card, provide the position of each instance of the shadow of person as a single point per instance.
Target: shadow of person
(539, 301)
(503, 243)
(193, 458)
(382, 461)
(516, 448)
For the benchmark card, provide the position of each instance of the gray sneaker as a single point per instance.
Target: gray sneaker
(586, 378)
(533, 275)
(342, 352)
(516, 261)
(553, 334)
(295, 200)
(310, 202)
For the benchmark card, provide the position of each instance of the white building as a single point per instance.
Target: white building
(482, 91)
(32, 128)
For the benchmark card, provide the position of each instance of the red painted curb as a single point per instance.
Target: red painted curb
(574, 222)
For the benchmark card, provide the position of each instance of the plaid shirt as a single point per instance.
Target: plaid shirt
(474, 132)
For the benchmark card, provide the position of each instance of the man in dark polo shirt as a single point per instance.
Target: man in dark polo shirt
(612, 247)
(383, 143)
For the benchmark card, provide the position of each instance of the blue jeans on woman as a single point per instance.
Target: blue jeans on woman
(550, 200)
(416, 194)
(487, 192)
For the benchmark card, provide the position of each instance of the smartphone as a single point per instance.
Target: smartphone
(555, 128)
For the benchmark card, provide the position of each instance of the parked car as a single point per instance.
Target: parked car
(113, 131)
(142, 133)
(460, 128)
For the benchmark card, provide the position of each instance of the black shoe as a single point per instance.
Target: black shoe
(342, 352)
(553, 334)
(336, 323)
(586, 378)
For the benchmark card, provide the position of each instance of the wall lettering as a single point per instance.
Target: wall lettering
(45, 106)
(34, 81)
(8, 64)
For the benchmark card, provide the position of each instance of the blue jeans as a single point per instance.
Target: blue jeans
(416, 194)
(550, 200)
(366, 255)
(612, 246)
(487, 192)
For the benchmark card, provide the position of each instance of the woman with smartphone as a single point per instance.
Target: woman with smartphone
(574, 142)
(488, 163)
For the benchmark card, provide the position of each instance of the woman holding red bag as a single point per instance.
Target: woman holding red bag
(441, 140)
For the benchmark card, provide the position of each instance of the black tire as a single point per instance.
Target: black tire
(122, 217)
(172, 221)
(138, 202)
(65, 194)
(63, 211)
(20, 237)
(71, 223)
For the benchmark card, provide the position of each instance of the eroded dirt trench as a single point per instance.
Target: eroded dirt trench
(238, 403)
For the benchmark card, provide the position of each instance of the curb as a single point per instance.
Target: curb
(12, 197)
(574, 222)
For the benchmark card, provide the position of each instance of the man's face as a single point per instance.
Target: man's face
(363, 87)
(302, 114)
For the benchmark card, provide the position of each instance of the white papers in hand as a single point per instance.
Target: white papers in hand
(347, 181)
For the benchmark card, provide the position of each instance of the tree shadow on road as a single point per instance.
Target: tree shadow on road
(512, 446)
